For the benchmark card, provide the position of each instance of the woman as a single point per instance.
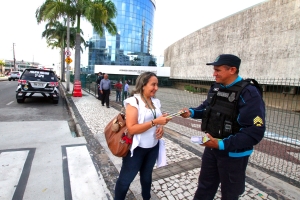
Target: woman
(144, 120)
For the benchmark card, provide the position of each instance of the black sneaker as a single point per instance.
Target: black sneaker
(102, 104)
(107, 107)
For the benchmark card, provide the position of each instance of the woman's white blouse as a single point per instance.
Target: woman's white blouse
(146, 139)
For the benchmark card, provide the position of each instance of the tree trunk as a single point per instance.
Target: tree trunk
(77, 57)
(62, 65)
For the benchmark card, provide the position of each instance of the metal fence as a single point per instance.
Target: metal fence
(278, 153)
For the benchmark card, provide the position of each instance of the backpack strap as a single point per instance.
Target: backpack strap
(256, 84)
(137, 101)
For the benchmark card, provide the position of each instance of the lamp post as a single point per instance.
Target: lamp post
(14, 57)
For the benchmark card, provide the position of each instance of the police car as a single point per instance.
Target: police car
(38, 82)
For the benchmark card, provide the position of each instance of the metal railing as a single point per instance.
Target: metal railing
(279, 151)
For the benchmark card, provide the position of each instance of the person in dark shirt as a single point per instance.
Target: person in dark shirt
(233, 117)
(99, 78)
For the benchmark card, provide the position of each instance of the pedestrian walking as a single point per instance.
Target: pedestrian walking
(105, 88)
(233, 116)
(126, 90)
(99, 78)
(144, 121)
(118, 87)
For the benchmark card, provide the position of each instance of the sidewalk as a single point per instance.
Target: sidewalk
(177, 180)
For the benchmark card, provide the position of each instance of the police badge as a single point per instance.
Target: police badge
(231, 97)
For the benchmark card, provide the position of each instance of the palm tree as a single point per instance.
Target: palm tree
(2, 63)
(56, 35)
(98, 12)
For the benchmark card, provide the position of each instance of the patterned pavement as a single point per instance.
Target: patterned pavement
(178, 147)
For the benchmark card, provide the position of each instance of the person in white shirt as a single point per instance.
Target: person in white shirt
(144, 121)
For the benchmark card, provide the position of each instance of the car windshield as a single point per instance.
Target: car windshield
(14, 72)
(38, 75)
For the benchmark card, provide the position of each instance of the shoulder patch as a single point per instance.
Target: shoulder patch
(257, 121)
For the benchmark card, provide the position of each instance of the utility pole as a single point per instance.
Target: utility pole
(14, 57)
(68, 48)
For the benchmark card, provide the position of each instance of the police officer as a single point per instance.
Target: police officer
(233, 117)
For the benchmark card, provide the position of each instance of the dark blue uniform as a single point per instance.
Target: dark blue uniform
(228, 163)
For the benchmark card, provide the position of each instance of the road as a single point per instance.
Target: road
(38, 154)
(33, 109)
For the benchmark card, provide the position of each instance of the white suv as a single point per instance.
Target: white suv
(13, 75)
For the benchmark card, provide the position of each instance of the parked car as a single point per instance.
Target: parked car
(13, 75)
(37, 81)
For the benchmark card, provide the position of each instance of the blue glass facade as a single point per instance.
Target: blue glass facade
(133, 43)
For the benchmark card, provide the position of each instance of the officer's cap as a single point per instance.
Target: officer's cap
(226, 59)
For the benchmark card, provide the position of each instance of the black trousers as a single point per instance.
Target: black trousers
(218, 167)
(99, 94)
(105, 97)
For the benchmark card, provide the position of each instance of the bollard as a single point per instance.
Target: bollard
(77, 89)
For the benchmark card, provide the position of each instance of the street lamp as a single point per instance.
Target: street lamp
(14, 56)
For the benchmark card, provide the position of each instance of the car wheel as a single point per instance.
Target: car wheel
(55, 101)
(9, 79)
(20, 100)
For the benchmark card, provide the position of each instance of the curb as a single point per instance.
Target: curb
(77, 125)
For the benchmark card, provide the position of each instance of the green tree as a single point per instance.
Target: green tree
(56, 36)
(152, 63)
(2, 63)
(98, 12)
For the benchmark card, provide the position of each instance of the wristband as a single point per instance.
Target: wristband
(152, 123)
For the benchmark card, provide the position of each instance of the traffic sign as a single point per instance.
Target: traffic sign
(68, 60)
(68, 53)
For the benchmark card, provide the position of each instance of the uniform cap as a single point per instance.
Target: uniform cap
(226, 59)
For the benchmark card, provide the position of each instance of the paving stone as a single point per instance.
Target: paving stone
(161, 181)
(170, 197)
(271, 198)
(179, 190)
(171, 188)
(174, 192)
(186, 194)
(180, 196)
(246, 197)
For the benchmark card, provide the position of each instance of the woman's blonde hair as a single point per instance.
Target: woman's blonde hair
(141, 81)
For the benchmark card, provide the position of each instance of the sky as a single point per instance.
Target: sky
(174, 19)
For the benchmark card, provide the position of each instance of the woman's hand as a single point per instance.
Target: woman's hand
(162, 120)
(159, 132)
(186, 114)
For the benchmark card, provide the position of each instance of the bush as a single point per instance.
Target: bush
(190, 88)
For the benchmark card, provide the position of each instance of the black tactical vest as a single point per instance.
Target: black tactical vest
(220, 116)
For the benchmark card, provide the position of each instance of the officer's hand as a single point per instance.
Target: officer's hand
(212, 143)
(186, 113)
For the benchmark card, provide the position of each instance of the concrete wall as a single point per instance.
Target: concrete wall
(266, 37)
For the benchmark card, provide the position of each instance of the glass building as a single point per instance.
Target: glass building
(133, 43)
